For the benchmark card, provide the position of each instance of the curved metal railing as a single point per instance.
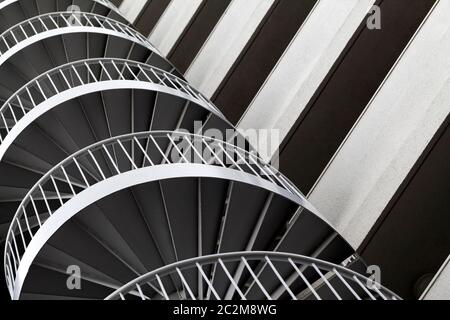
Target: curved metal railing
(62, 20)
(192, 280)
(113, 157)
(85, 72)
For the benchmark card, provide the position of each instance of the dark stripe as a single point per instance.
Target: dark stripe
(197, 32)
(4, 295)
(149, 16)
(347, 90)
(412, 236)
(117, 3)
(260, 56)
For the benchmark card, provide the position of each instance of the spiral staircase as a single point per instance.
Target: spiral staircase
(103, 167)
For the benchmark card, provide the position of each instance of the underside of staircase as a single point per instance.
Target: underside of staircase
(110, 162)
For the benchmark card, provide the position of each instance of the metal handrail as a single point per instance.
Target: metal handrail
(64, 19)
(88, 71)
(315, 277)
(100, 161)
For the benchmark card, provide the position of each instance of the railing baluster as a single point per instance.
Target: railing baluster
(14, 263)
(68, 180)
(157, 77)
(65, 20)
(109, 23)
(26, 221)
(41, 90)
(213, 153)
(10, 273)
(77, 74)
(30, 96)
(346, 284)
(144, 152)
(374, 287)
(6, 43)
(267, 170)
(81, 171)
(245, 162)
(326, 281)
(193, 93)
(52, 83)
(127, 155)
(45, 200)
(76, 18)
(10, 264)
(36, 212)
(140, 291)
(97, 165)
(170, 81)
(104, 69)
(229, 157)
(280, 278)
(186, 285)
(159, 149)
(23, 31)
(21, 233)
(14, 36)
(162, 287)
(100, 24)
(250, 157)
(364, 288)
(255, 278)
(131, 71)
(177, 149)
(21, 104)
(57, 190)
(191, 146)
(32, 27)
(88, 20)
(13, 239)
(65, 79)
(235, 285)
(183, 87)
(117, 69)
(90, 72)
(5, 122)
(111, 159)
(302, 276)
(43, 24)
(145, 74)
(53, 20)
(210, 286)
(124, 31)
(12, 112)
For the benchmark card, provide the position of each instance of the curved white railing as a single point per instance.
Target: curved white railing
(191, 279)
(116, 156)
(35, 29)
(90, 71)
